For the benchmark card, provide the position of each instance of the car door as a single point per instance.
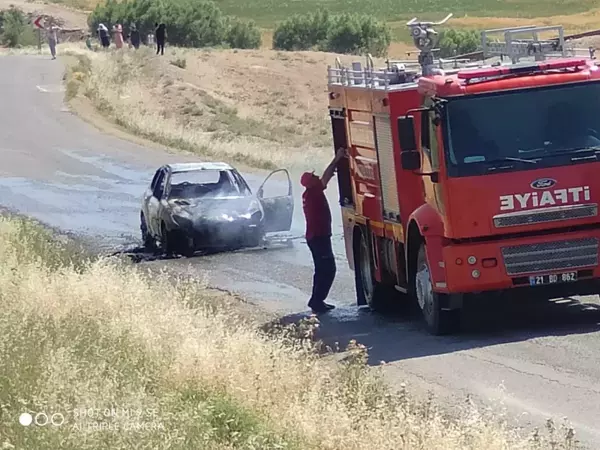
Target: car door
(278, 209)
(148, 193)
(154, 204)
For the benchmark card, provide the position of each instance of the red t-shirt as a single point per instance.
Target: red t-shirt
(316, 211)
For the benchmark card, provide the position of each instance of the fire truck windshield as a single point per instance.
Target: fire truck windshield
(523, 130)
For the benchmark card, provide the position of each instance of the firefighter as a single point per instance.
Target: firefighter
(318, 233)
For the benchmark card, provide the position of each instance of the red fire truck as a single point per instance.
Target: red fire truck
(474, 179)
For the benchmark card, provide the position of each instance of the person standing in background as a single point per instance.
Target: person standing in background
(118, 35)
(134, 37)
(160, 34)
(51, 35)
(103, 35)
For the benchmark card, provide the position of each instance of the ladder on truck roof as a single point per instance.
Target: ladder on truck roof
(516, 48)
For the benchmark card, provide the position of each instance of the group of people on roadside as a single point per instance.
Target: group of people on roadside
(134, 36)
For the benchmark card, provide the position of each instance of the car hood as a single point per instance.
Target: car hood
(214, 208)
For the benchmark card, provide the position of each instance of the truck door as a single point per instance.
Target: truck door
(431, 161)
(340, 139)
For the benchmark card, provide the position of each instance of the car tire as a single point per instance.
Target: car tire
(167, 241)
(148, 241)
(188, 250)
(256, 238)
(439, 321)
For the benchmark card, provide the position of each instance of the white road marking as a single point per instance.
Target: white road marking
(53, 88)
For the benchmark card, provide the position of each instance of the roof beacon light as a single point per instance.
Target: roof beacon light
(522, 68)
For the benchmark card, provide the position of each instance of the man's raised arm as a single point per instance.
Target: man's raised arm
(328, 173)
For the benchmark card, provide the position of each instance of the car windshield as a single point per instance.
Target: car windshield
(525, 129)
(205, 183)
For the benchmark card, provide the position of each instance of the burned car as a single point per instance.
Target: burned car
(195, 206)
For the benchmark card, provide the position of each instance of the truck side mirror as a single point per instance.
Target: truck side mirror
(406, 133)
(411, 160)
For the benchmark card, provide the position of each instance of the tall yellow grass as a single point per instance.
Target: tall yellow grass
(101, 334)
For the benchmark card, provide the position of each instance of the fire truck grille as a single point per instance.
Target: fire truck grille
(558, 255)
(546, 215)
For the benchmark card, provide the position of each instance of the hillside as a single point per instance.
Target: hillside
(202, 101)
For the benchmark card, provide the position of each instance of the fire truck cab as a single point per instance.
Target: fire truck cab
(472, 179)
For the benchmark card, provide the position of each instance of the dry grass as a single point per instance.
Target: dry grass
(263, 108)
(104, 335)
(573, 23)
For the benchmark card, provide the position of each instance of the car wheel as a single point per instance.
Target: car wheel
(255, 238)
(438, 319)
(187, 248)
(167, 242)
(148, 241)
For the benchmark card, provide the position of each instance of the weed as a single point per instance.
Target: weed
(180, 62)
(145, 360)
(135, 92)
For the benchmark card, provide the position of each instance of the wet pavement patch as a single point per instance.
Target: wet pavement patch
(139, 254)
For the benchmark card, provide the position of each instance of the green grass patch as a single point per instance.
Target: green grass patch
(267, 13)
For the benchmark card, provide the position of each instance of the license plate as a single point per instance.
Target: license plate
(567, 277)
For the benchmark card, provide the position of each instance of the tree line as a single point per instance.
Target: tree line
(200, 23)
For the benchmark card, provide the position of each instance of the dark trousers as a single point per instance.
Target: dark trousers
(160, 47)
(325, 269)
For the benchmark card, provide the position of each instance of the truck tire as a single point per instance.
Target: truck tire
(148, 241)
(368, 290)
(439, 320)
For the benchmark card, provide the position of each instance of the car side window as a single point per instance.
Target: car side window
(160, 185)
(241, 184)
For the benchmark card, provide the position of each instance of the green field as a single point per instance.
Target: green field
(268, 12)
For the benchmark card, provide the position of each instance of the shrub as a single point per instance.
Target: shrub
(351, 33)
(346, 33)
(458, 42)
(242, 34)
(14, 29)
(189, 23)
(302, 32)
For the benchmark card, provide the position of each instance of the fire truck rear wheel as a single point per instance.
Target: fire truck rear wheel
(439, 320)
(368, 290)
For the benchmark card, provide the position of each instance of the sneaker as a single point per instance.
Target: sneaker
(321, 308)
(329, 306)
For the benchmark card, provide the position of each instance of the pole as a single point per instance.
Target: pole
(39, 33)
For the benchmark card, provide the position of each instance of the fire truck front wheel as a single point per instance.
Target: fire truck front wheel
(438, 318)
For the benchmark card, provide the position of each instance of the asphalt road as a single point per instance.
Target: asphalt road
(66, 173)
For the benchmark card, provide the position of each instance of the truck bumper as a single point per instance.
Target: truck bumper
(561, 264)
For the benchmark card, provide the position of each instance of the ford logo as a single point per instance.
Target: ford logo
(543, 183)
